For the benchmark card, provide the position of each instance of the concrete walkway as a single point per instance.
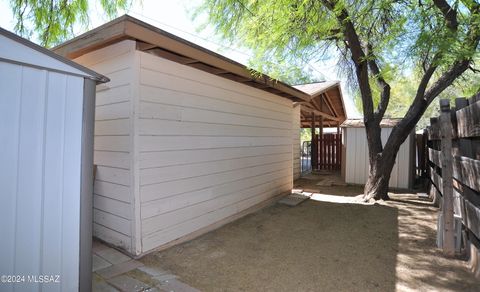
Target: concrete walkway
(114, 271)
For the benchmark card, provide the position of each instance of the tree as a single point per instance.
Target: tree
(403, 91)
(54, 20)
(378, 40)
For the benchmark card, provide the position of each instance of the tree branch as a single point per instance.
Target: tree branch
(449, 14)
(446, 80)
(358, 58)
(382, 83)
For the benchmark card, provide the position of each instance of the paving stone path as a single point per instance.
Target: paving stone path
(114, 271)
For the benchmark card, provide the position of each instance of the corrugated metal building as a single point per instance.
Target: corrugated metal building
(355, 166)
(46, 135)
(185, 139)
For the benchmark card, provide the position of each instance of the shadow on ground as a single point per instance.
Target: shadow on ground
(321, 246)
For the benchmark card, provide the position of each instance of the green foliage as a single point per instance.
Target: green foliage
(404, 89)
(404, 37)
(305, 135)
(53, 20)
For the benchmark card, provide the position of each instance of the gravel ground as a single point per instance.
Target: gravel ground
(322, 246)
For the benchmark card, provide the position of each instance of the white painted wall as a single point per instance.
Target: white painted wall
(113, 201)
(356, 160)
(40, 175)
(296, 141)
(208, 148)
(179, 149)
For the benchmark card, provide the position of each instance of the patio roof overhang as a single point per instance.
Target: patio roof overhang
(326, 104)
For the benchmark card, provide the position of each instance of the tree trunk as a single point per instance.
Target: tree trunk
(381, 165)
(376, 187)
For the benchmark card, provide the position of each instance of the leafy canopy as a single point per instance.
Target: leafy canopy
(404, 88)
(404, 38)
(54, 20)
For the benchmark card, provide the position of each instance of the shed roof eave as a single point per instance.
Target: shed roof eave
(75, 69)
(127, 27)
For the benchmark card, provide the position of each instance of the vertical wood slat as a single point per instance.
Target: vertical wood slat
(330, 154)
(329, 163)
(314, 145)
(447, 174)
(325, 158)
(339, 150)
(321, 145)
(330, 151)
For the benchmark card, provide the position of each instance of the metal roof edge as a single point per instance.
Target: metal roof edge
(88, 72)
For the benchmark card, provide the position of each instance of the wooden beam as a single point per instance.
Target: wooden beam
(127, 27)
(234, 77)
(307, 108)
(149, 34)
(207, 68)
(329, 103)
(171, 56)
(97, 38)
(256, 84)
(142, 46)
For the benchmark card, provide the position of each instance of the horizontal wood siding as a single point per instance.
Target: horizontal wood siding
(208, 149)
(113, 208)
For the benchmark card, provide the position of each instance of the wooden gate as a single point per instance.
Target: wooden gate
(329, 151)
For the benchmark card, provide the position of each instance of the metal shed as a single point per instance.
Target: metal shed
(47, 108)
(355, 163)
(185, 139)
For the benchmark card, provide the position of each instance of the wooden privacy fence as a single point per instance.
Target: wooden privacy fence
(329, 151)
(453, 144)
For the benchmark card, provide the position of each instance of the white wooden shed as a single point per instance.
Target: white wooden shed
(185, 139)
(355, 152)
(46, 138)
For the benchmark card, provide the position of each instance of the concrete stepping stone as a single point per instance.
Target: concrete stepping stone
(177, 286)
(97, 246)
(112, 256)
(151, 271)
(127, 283)
(99, 263)
(118, 269)
(295, 199)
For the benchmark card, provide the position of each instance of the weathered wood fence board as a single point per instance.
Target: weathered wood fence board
(469, 121)
(465, 120)
(434, 156)
(329, 151)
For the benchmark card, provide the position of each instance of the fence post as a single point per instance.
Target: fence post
(314, 145)
(447, 170)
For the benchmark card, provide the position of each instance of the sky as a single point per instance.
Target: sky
(175, 17)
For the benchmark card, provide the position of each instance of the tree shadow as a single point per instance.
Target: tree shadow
(321, 246)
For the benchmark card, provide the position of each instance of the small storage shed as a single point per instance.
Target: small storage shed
(46, 137)
(355, 164)
(185, 139)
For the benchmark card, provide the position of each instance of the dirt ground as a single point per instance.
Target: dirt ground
(322, 246)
